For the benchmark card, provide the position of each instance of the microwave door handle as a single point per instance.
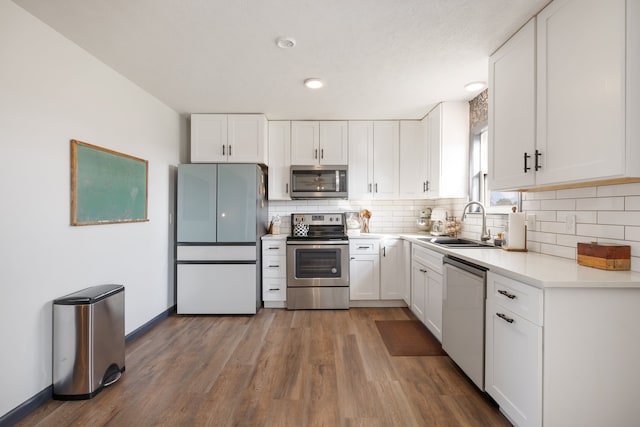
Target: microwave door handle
(337, 180)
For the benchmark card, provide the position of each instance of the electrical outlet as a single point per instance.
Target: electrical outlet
(531, 222)
(570, 224)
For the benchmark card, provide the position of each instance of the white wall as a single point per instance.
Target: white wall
(52, 91)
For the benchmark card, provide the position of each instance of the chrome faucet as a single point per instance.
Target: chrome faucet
(484, 236)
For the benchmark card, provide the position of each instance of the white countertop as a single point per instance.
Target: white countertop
(542, 271)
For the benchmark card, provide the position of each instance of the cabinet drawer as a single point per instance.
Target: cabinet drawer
(367, 246)
(274, 290)
(274, 266)
(522, 299)
(274, 247)
(431, 259)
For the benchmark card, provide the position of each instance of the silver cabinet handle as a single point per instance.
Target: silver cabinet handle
(273, 247)
(315, 155)
(322, 153)
(363, 247)
(369, 187)
(229, 149)
(274, 266)
(505, 318)
(506, 294)
(274, 289)
(223, 150)
(376, 187)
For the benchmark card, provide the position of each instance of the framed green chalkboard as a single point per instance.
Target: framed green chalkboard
(106, 186)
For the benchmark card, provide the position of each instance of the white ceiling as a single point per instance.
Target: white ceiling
(380, 59)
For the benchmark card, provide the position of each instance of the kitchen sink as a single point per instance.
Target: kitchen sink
(454, 242)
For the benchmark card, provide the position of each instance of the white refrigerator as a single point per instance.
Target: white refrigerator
(221, 216)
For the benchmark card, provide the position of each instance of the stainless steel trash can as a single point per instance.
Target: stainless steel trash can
(88, 341)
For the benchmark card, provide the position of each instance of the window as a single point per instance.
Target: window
(494, 201)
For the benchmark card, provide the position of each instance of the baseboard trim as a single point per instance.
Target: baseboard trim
(132, 336)
(26, 407)
(30, 405)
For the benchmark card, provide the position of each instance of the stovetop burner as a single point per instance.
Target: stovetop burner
(320, 226)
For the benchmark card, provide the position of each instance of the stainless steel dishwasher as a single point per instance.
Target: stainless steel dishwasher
(463, 316)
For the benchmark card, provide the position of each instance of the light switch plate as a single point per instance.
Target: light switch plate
(531, 222)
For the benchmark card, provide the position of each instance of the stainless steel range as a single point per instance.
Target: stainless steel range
(317, 262)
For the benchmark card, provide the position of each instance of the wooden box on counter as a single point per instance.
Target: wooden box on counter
(606, 256)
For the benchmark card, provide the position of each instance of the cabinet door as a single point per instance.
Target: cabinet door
(513, 365)
(196, 210)
(581, 90)
(334, 147)
(386, 159)
(434, 131)
(433, 305)
(406, 271)
(512, 108)
(364, 277)
(246, 142)
(279, 160)
(391, 269)
(360, 160)
(209, 138)
(216, 289)
(237, 203)
(413, 160)
(305, 143)
(418, 289)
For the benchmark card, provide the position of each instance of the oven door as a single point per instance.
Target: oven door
(317, 264)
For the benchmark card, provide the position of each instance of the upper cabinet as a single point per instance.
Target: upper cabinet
(447, 134)
(233, 138)
(512, 111)
(414, 172)
(585, 71)
(279, 160)
(319, 143)
(373, 159)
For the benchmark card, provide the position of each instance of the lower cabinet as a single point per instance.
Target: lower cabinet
(274, 272)
(364, 269)
(513, 350)
(392, 277)
(426, 288)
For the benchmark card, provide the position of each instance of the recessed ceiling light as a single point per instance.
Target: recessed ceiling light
(285, 42)
(474, 86)
(313, 83)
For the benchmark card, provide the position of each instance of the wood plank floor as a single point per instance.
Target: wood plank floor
(277, 368)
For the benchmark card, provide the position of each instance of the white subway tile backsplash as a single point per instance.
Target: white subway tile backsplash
(559, 251)
(539, 195)
(632, 189)
(632, 203)
(601, 204)
(558, 205)
(576, 193)
(597, 230)
(619, 218)
(530, 205)
(632, 233)
(552, 227)
(540, 237)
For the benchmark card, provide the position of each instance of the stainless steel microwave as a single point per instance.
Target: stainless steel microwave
(319, 182)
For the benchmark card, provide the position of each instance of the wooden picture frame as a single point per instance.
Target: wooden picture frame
(107, 186)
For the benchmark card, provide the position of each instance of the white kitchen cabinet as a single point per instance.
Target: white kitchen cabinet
(512, 107)
(413, 170)
(319, 143)
(513, 349)
(279, 160)
(233, 138)
(373, 159)
(447, 130)
(364, 269)
(406, 269)
(587, 99)
(274, 272)
(427, 288)
(392, 277)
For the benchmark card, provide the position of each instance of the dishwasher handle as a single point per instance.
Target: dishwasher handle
(476, 270)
